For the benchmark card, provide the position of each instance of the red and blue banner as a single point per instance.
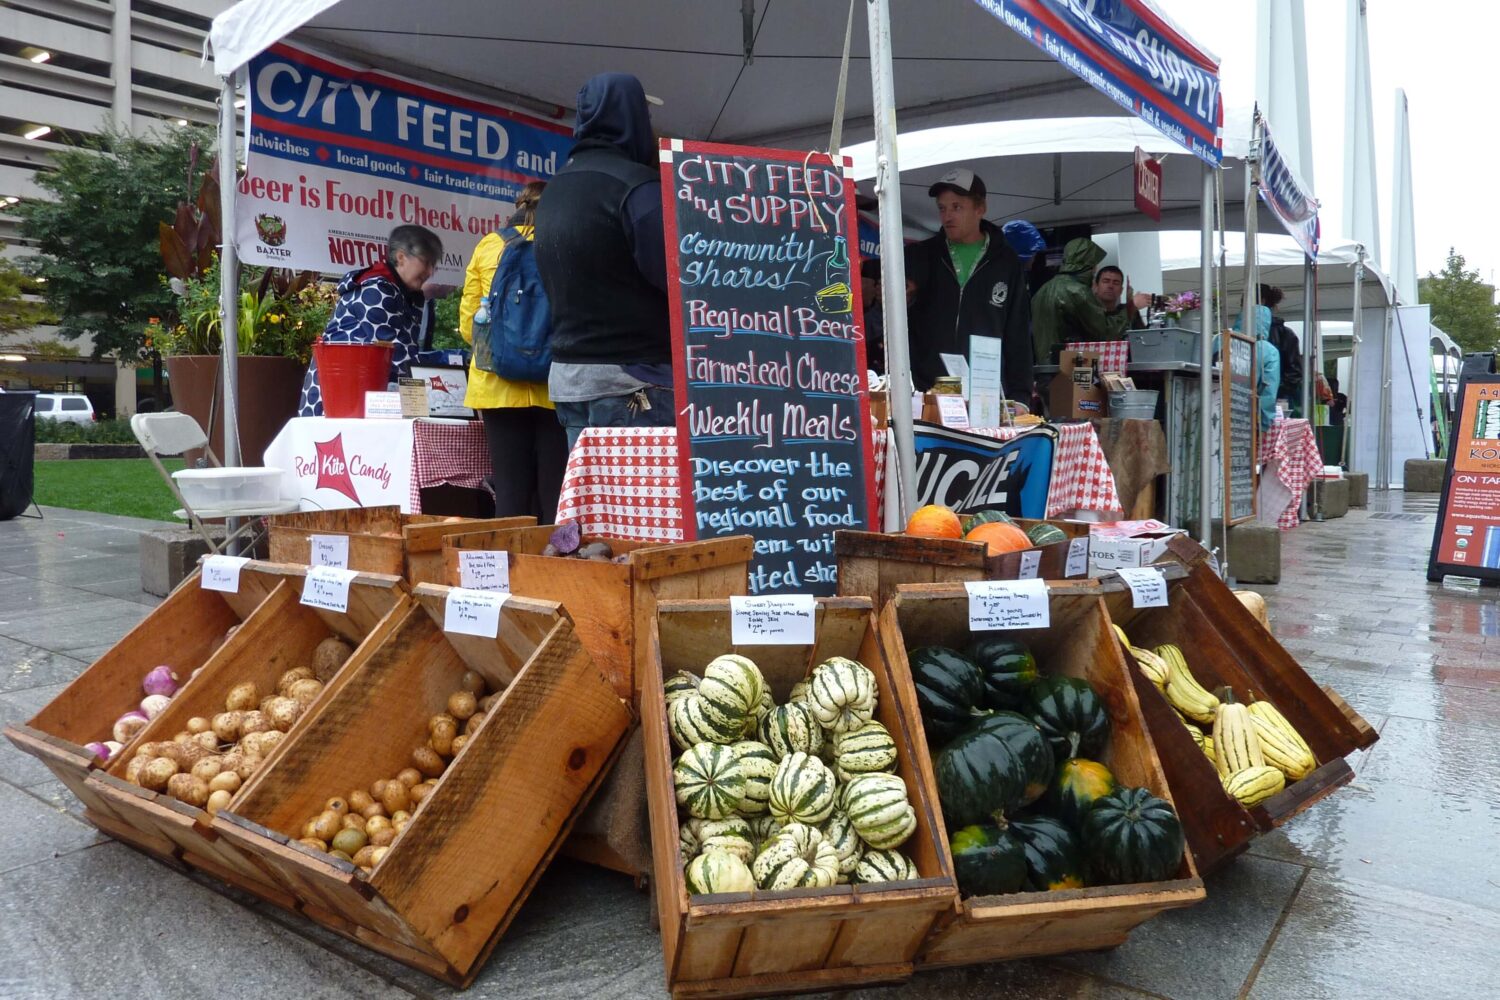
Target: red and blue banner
(1131, 54)
(1283, 194)
(338, 156)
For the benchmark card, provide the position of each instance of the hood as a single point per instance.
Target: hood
(1262, 322)
(1081, 256)
(612, 108)
(354, 279)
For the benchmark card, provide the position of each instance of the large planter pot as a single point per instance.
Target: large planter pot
(269, 390)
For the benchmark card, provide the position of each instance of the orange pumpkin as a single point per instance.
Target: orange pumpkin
(999, 537)
(934, 521)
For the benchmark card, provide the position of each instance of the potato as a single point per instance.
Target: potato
(250, 745)
(185, 787)
(420, 792)
(314, 843)
(349, 841)
(372, 810)
(400, 824)
(473, 683)
(396, 796)
(270, 741)
(377, 823)
(458, 744)
(283, 712)
(338, 805)
(341, 856)
(218, 800)
(441, 739)
(226, 726)
(462, 704)
(489, 702)
(383, 838)
(226, 782)
(354, 821)
(255, 722)
(327, 824)
(377, 790)
(247, 767)
(305, 692)
(307, 828)
(329, 655)
(134, 768)
(208, 741)
(189, 754)
(242, 697)
(474, 722)
(377, 854)
(208, 768)
(292, 676)
(409, 776)
(157, 772)
(359, 800)
(182, 737)
(170, 750)
(399, 815)
(428, 762)
(362, 856)
(198, 724)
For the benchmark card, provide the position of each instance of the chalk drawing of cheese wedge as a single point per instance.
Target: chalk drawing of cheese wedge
(836, 298)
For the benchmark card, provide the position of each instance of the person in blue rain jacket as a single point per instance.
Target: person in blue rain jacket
(1267, 366)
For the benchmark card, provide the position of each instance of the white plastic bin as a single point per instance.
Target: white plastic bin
(208, 489)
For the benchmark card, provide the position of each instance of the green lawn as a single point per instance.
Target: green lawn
(127, 486)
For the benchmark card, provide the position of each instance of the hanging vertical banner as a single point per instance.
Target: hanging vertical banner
(1466, 539)
(1283, 194)
(773, 420)
(339, 156)
(1135, 57)
(1147, 184)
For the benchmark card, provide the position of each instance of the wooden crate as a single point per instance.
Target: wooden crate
(1079, 643)
(280, 634)
(613, 604)
(181, 632)
(381, 539)
(1224, 644)
(874, 564)
(759, 943)
(474, 849)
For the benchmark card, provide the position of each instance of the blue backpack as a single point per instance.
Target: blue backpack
(513, 324)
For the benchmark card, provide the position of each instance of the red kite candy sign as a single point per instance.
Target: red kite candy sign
(332, 464)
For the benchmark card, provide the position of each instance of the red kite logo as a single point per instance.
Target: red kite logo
(436, 382)
(333, 469)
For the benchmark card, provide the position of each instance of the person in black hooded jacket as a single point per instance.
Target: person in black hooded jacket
(966, 281)
(601, 256)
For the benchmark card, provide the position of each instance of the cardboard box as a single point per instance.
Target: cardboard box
(1126, 544)
(1075, 393)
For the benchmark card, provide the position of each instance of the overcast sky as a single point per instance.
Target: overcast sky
(1446, 54)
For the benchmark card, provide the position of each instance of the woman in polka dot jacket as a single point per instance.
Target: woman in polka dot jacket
(383, 302)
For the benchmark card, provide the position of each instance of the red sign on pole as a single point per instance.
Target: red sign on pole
(1147, 184)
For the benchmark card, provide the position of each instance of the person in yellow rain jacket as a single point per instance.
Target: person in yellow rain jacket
(528, 447)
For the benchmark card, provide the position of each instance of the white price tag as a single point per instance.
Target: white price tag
(484, 569)
(222, 573)
(327, 587)
(787, 620)
(1031, 561)
(1078, 557)
(953, 412)
(473, 612)
(1006, 604)
(917, 403)
(382, 405)
(1148, 588)
(329, 550)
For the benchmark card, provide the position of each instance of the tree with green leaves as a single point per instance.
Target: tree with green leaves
(18, 313)
(1463, 307)
(98, 236)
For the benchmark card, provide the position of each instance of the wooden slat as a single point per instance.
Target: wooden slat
(68, 762)
(156, 846)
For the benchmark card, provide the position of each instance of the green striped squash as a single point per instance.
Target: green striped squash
(864, 750)
(709, 781)
(884, 866)
(802, 790)
(841, 692)
(691, 724)
(791, 728)
(679, 684)
(762, 829)
(758, 762)
(730, 834)
(754, 719)
(797, 856)
(717, 871)
(839, 832)
(731, 690)
(689, 840)
(799, 691)
(878, 807)
(1046, 534)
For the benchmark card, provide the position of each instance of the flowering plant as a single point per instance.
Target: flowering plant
(1186, 302)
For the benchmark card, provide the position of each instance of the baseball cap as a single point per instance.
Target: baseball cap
(961, 180)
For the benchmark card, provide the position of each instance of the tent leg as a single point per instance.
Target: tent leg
(229, 292)
(1309, 352)
(1205, 363)
(892, 255)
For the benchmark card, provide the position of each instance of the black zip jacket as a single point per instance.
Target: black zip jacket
(993, 303)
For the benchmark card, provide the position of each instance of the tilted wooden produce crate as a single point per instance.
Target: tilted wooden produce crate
(1078, 643)
(473, 850)
(181, 632)
(280, 634)
(381, 539)
(800, 940)
(1224, 644)
(613, 604)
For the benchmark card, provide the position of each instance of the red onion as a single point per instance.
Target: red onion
(161, 680)
(128, 725)
(98, 750)
(154, 704)
(113, 748)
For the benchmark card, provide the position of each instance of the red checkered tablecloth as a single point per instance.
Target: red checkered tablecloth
(1114, 355)
(1289, 458)
(623, 481)
(452, 452)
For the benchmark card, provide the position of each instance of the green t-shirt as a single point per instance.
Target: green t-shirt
(966, 257)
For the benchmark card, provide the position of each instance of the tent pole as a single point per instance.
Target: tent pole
(1383, 442)
(1206, 363)
(229, 269)
(1351, 419)
(892, 254)
(1309, 352)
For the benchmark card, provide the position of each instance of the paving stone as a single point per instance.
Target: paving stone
(1026, 980)
(1346, 937)
(1244, 902)
(23, 666)
(1441, 756)
(89, 623)
(133, 928)
(32, 831)
(22, 769)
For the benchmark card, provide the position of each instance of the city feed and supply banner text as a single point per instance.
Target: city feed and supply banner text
(339, 156)
(1279, 189)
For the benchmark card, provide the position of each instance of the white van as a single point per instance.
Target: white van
(69, 407)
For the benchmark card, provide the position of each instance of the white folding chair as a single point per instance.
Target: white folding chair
(174, 433)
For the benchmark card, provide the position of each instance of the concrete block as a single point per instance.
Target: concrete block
(169, 556)
(1359, 488)
(1424, 475)
(1255, 553)
(47, 451)
(1330, 497)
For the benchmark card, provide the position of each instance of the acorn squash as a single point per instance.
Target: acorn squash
(949, 689)
(1071, 715)
(998, 764)
(1132, 836)
(1054, 859)
(987, 861)
(1078, 785)
(1008, 669)
(1046, 534)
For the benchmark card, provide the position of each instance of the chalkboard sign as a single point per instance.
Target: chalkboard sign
(773, 425)
(1240, 423)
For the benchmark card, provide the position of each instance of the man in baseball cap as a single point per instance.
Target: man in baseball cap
(966, 281)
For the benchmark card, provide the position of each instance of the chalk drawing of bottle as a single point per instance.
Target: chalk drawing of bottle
(836, 296)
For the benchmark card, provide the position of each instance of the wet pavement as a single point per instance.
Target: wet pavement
(1389, 888)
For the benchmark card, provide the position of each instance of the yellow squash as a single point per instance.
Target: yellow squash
(1236, 746)
(1183, 690)
(1254, 784)
(1281, 744)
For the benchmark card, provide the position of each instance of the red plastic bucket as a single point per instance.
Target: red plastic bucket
(347, 371)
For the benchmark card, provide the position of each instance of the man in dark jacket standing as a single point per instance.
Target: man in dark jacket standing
(966, 281)
(601, 256)
(1288, 346)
